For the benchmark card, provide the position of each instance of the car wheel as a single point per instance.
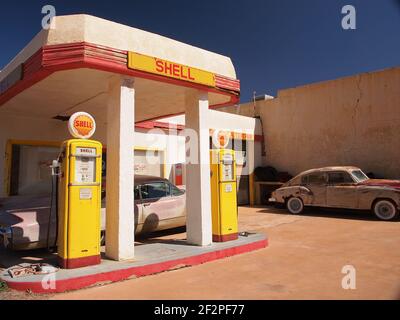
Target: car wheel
(295, 205)
(385, 210)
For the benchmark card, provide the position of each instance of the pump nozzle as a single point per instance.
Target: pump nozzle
(55, 168)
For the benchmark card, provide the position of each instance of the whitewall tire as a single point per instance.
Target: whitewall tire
(295, 205)
(385, 210)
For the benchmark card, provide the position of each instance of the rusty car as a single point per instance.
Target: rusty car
(340, 187)
(26, 222)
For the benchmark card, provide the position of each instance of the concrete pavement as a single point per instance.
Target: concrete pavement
(304, 261)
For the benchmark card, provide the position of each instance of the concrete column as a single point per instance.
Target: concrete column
(250, 167)
(198, 194)
(120, 218)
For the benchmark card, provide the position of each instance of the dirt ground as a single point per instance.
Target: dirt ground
(304, 260)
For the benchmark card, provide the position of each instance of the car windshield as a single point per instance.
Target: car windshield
(359, 175)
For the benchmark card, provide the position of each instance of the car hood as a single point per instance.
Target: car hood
(382, 183)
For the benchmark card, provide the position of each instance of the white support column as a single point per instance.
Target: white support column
(250, 168)
(120, 217)
(198, 193)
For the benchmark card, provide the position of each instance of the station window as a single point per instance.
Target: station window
(30, 169)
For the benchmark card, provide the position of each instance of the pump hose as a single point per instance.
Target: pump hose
(54, 194)
(51, 211)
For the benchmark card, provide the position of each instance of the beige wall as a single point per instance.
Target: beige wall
(348, 121)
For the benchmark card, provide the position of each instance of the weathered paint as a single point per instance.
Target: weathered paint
(361, 196)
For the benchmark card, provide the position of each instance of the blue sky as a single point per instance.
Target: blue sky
(274, 44)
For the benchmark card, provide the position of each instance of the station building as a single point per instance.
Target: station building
(146, 93)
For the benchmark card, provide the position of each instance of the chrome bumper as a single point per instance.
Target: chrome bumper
(272, 200)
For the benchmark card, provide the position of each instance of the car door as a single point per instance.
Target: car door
(158, 205)
(316, 183)
(137, 208)
(341, 190)
(179, 197)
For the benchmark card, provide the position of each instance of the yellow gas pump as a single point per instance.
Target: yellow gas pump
(79, 198)
(223, 195)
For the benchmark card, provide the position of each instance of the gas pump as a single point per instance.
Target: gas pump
(223, 195)
(79, 196)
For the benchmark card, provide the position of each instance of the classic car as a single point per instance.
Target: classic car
(24, 221)
(340, 187)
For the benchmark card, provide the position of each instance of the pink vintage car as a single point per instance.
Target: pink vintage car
(340, 187)
(24, 221)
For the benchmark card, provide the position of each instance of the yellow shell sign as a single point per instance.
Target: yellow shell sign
(82, 125)
(170, 69)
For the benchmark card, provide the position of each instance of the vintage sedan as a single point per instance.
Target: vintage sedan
(24, 221)
(340, 187)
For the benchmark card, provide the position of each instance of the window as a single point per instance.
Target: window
(30, 169)
(137, 193)
(314, 178)
(359, 175)
(339, 177)
(176, 191)
(154, 190)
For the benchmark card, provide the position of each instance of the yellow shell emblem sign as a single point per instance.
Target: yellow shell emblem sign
(170, 69)
(221, 138)
(82, 125)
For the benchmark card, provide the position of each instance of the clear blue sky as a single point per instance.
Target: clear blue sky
(274, 44)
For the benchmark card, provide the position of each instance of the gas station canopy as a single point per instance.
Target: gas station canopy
(68, 68)
(121, 75)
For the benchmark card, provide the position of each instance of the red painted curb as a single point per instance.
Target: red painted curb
(138, 271)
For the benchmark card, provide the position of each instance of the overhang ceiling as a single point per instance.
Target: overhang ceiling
(65, 92)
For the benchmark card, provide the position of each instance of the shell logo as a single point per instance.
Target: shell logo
(82, 125)
(221, 138)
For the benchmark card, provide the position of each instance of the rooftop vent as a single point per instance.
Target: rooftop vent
(62, 118)
(263, 97)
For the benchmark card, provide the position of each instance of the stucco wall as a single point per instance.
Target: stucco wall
(348, 121)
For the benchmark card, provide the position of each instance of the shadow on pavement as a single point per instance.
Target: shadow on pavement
(9, 258)
(335, 213)
(157, 237)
